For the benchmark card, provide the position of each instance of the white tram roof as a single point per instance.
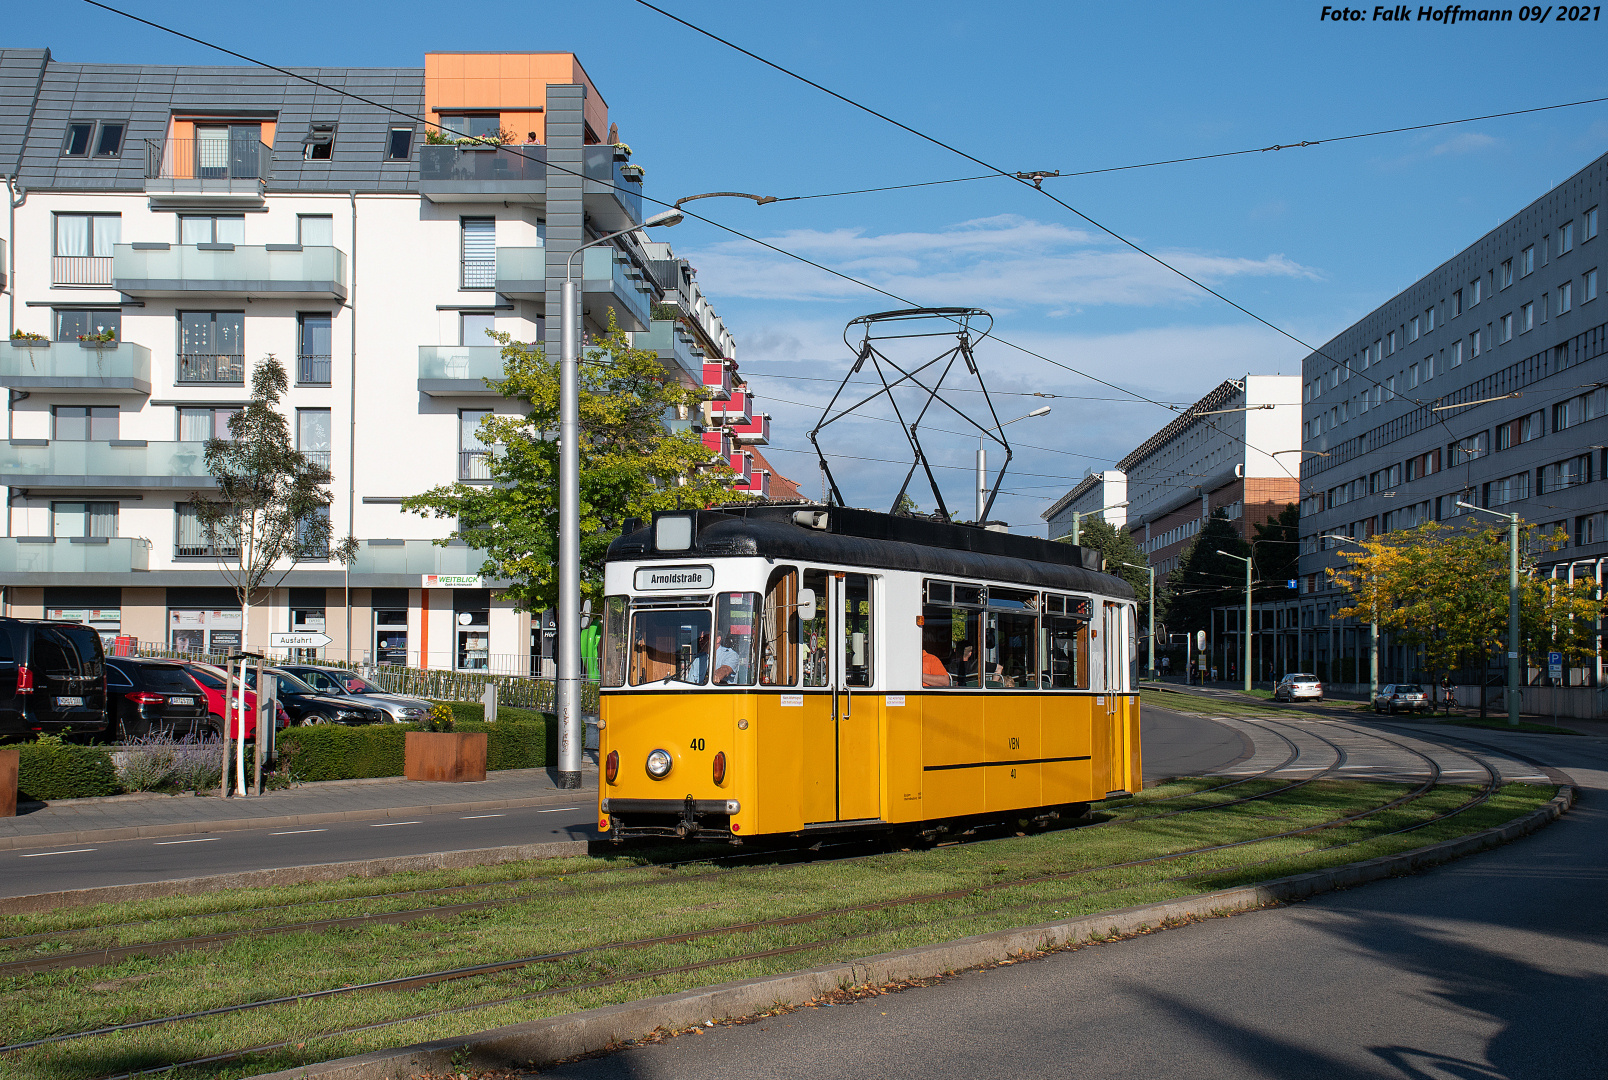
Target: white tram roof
(881, 541)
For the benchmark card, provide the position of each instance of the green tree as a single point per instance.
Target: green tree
(1119, 548)
(1276, 547)
(631, 466)
(1204, 579)
(905, 507)
(271, 506)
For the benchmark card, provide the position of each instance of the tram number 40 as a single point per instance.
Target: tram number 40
(697, 744)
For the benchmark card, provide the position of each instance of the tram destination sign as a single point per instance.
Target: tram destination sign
(681, 578)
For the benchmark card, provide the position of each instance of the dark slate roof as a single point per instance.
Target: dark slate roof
(40, 97)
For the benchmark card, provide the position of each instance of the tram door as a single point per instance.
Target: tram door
(1113, 714)
(855, 709)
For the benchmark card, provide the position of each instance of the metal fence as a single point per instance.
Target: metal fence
(312, 370)
(212, 368)
(80, 270)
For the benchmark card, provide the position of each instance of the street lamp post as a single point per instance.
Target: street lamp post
(1152, 571)
(1373, 623)
(982, 460)
(1246, 559)
(1513, 607)
(571, 738)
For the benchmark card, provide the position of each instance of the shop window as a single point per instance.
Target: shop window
(471, 609)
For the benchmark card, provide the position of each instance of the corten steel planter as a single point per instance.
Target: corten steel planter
(444, 755)
(9, 757)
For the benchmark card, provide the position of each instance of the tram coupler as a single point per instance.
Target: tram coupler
(689, 818)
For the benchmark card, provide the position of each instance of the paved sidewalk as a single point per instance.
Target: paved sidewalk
(129, 817)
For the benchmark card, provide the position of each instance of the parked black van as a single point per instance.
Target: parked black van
(52, 679)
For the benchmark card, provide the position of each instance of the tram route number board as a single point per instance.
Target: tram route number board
(680, 578)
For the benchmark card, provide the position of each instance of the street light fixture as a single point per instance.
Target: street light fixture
(982, 460)
(1246, 559)
(1152, 571)
(1513, 606)
(1373, 621)
(1077, 521)
(571, 737)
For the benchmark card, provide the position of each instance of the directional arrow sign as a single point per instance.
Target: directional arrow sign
(298, 641)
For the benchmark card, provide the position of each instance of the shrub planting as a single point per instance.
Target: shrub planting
(51, 768)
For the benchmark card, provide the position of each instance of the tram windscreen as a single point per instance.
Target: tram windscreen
(614, 650)
(670, 646)
(736, 638)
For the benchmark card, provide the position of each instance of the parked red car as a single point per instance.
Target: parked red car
(212, 681)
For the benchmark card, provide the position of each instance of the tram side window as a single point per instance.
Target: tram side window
(857, 631)
(614, 651)
(1008, 651)
(670, 646)
(1066, 653)
(948, 646)
(736, 639)
(778, 651)
(813, 634)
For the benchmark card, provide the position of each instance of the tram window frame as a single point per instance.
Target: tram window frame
(779, 630)
(736, 629)
(859, 589)
(683, 666)
(615, 655)
(815, 660)
(1078, 677)
(1011, 668)
(938, 622)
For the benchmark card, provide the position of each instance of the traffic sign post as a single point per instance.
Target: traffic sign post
(1555, 670)
(293, 640)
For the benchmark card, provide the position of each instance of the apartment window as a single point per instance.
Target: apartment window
(1412, 329)
(1390, 340)
(1589, 528)
(89, 325)
(312, 538)
(212, 229)
(212, 347)
(473, 326)
(1412, 376)
(400, 145)
(1565, 474)
(1527, 261)
(479, 253)
(319, 143)
(1590, 220)
(313, 348)
(1423, 465)
(1591, 286)
(204, 423)
(1509, 489)
(79, 133)
(1527, 318)
(1566, 238)
(1579, 409)
(69, 519)
(84, 423)
(1457, 303)
(1390, 386)
(83, 248)
(191, 538)
(1505, 328)
(1457, 353)
(1565, 297)
(1474, 343)
(315, 230)
(1522, 430)
(313, 435)
(1429, 320)
(472, 127)
(1429, 368)
(474, 456)
(1507, 272)
(1546, 247)
(1467, 449)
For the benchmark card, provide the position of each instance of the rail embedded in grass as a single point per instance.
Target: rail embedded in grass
(834, 911)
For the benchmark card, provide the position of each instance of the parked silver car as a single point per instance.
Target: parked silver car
(338, 682)
(1402, 697)
(1299, 687)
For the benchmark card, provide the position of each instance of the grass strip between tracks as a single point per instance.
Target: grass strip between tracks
(574, 907)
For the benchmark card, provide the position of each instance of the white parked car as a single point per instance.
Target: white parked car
(1402, 697)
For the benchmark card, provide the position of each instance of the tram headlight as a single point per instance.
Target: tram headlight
(720, 767)
(611, 767)
(659, 764)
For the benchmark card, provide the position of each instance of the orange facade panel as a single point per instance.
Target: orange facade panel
(514, 85)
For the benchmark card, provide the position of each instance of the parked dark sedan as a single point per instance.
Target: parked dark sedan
(149, 696)
(52, 679)
(307, 706)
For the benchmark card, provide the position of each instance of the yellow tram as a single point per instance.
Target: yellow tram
(770, 671)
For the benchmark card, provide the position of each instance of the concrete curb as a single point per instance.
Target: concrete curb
(186, 828)
(293, 875)
(541, 1042)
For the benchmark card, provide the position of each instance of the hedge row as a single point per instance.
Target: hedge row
(330, 752)
(50, 768)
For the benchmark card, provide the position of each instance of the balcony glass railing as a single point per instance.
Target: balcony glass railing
(72, 364)
(671, 342)
(92, 464)
(610, 280)
(154, 269)
(74, 555)
(480, 165)
(461, 363)
(602, 166)
(212, 368)
(416, 557)
(521, 270)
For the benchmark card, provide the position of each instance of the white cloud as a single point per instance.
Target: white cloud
(1465, 143)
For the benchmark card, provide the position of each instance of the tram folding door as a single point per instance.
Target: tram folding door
(841, 769)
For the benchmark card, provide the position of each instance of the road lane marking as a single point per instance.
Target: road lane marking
(297, 832)
(69, 851)
(558, 809)
(383, 824)
(198, 840)
(477, 817)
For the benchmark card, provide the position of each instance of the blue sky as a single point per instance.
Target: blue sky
(1311, 239)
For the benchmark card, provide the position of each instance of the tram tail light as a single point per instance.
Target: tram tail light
(611, 767)
(720, 767)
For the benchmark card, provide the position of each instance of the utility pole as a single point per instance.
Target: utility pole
(1246, 559)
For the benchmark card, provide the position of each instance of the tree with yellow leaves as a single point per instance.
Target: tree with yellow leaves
(1445, 590)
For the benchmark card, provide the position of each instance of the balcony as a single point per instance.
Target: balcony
(125, 463)
(613, 198)
(737, 410)
(288, 271)
(217, 369)
(85, 271)
(609, 280)
(474, 465)
(25, 557)
(484, 174)
(71, 367)
(754, 433)
(459, 370)
(717, 379)
(675, 347)
(521, 272)
(224, 170)
(405, 562)
(758, 484)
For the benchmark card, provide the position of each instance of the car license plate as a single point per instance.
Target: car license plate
(69, 701)
(181, 700)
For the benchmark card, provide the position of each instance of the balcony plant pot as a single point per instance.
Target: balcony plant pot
(451, 756)
(9, 760)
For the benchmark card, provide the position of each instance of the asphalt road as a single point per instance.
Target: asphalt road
(83, 866)
(1493, 966)
(1178, 744)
